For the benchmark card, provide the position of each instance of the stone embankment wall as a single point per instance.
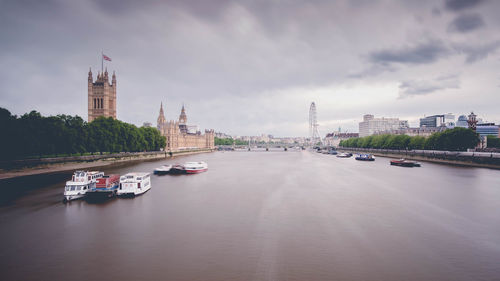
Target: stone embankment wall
(19, 168)
(462, 158)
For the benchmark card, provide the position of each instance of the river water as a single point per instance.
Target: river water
(276, 215)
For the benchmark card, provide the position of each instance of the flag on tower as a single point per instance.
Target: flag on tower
(106, 57)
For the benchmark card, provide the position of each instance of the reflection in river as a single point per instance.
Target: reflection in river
(292, 215)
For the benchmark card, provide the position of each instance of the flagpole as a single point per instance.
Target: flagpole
(102, 62)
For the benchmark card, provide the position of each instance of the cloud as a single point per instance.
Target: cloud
(423, 53)
(466, 23)
(459, 5)
(239, 58)
(424, 87)
(477, 52)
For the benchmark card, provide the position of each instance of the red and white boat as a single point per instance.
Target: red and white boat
(195, 167)
(106, 186)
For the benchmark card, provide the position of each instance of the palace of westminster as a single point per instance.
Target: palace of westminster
(102, 102)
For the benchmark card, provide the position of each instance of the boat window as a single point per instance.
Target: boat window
(139, 179)
(72, 188)
(79, 188)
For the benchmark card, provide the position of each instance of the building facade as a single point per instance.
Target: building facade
(372, 125)
(462, 122)
(333, 139)
(488, 129)
(446, 120)
(179, 136)
(101, 96)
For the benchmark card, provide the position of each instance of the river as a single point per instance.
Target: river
(275, 215)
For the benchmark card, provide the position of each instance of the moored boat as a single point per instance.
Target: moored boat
(195, 167)
(165, 169)
(405, 163)
(106, 186)
(80, 183)
(365, 157)
(177, 169)
(133, 184)
(344, 155)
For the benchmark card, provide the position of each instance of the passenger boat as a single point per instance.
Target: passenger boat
(344, 155)
(332, 152)
(177, 169)
(165, 169)
(80, 183)
(405, 163)
(133, 184)
(365, 157)
(195, 167)
(106, 186)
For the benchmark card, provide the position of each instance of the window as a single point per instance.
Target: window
(73, 188)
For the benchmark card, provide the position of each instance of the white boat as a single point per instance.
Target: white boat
(165, 169)
(134, 184)
(80, 183)
(195, 167)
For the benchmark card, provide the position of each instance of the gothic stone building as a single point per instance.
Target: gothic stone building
(102, 96)
(179, 137)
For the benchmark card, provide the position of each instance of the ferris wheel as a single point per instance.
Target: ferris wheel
(313, 125)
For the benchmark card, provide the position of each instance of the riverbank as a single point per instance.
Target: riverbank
(457, 158)
(40, 166)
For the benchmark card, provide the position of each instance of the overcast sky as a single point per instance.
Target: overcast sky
(253, 67)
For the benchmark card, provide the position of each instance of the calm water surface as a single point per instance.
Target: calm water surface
(293, 215)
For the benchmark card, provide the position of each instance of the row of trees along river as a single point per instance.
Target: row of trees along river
(457, 139)
(33, 135)
(229, 141)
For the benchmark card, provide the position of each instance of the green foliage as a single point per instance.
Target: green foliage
(457, 139)
(228, 141)
(493, 142)
(34, 135)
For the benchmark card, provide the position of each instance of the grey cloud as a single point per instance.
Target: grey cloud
(423, 53)
(424, 87)
(465, 23)
(477, 52)
(373, 70)
(458, 5)
(208, 53)
(436, 12)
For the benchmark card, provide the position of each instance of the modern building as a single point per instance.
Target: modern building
(445, 120)
(462, 122)
(372, 125)
(147, 124)
(101, 96)
(178, 135)
(488, 129)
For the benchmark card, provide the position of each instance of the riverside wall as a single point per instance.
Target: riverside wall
(29, 167)
(460, 158)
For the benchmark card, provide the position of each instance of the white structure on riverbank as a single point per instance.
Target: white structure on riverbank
(372, 125)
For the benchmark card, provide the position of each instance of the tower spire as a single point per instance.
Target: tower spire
(160, 122)
(183, 117)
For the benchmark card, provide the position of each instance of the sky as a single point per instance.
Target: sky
(254, 67)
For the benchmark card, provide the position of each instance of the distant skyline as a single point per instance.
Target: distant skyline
(254, 67)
